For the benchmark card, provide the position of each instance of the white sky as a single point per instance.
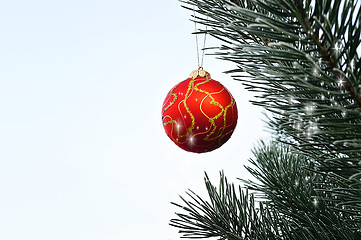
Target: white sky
(83, 154)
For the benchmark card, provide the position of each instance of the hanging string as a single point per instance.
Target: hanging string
(200, 64)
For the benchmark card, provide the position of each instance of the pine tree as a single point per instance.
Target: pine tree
(301, 60)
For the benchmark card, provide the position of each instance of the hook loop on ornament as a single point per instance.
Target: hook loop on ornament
(200, 73)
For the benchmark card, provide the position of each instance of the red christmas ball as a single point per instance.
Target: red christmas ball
(199, 114)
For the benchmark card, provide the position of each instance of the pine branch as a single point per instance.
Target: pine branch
(293, 60)
(293, 203)
(229, 214)
(324, 50)
(292, 186)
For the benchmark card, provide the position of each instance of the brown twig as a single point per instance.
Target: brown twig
(321, 47)
(331, 62)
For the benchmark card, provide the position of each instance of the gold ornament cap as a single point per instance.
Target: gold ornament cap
(200, 73)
